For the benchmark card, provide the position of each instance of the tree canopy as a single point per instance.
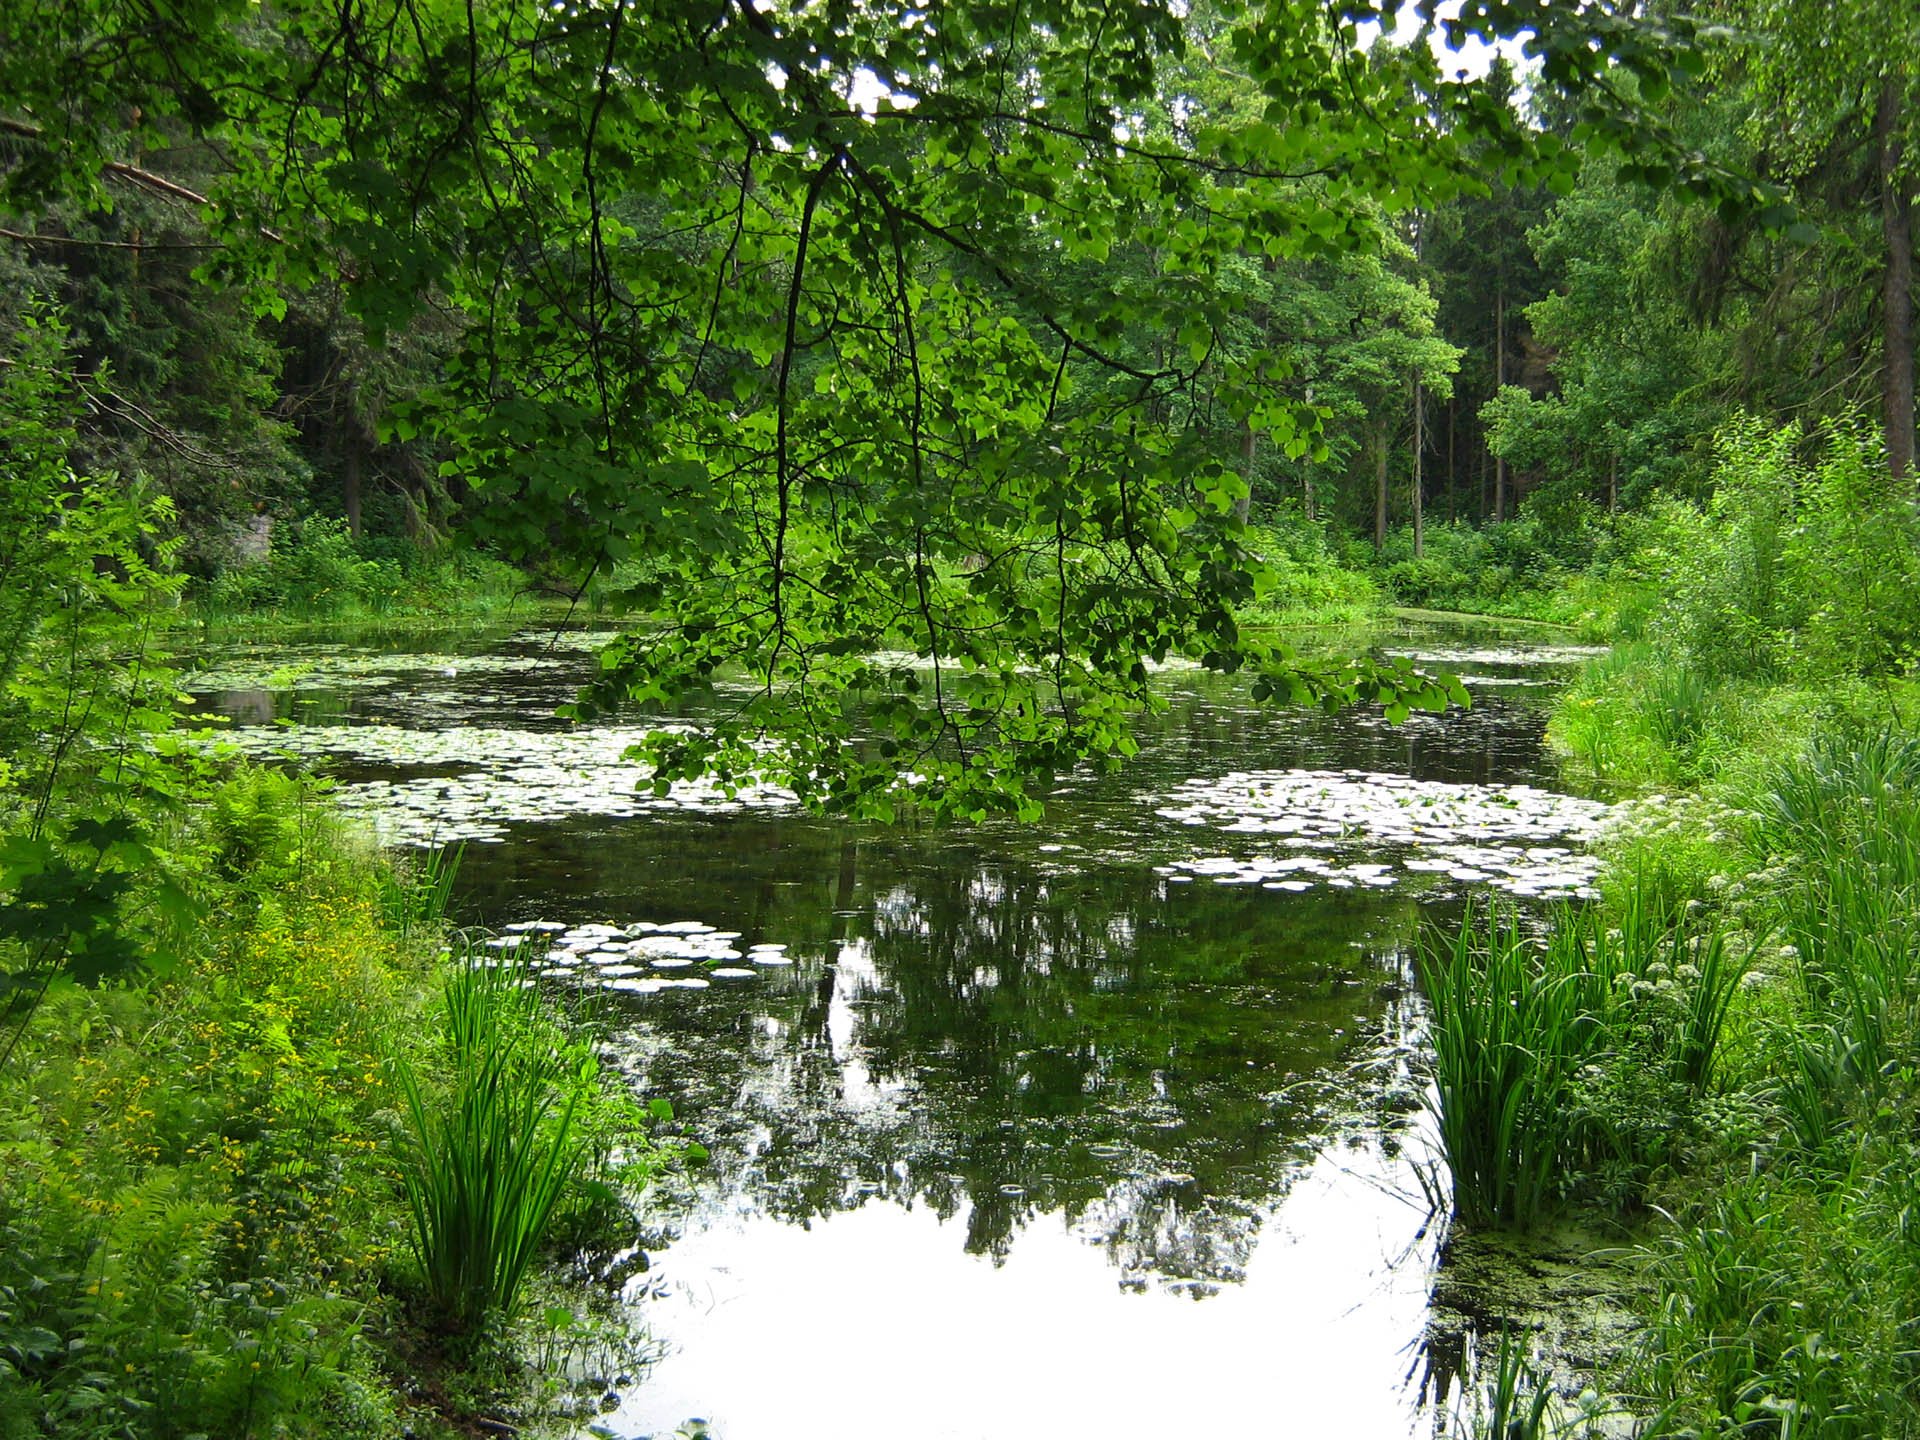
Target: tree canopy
(903, 350)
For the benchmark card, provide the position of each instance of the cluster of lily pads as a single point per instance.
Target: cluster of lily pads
(638, 959)
(1453, 656)
(483, 780)
(335, 667)
(1525, 841)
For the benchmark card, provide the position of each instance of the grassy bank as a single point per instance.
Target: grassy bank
(1588, 572)
(316, 573)
(1720, 1060)
(211, 1217)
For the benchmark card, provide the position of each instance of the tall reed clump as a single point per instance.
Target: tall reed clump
(1569, 1060)
(414, 890)
(489, 1161)
(1512, 1023)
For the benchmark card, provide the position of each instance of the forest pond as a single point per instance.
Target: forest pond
(1101, 1126)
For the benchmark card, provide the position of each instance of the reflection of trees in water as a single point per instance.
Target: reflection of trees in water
(978, 1027)
(996, 1037)
(1209, 726)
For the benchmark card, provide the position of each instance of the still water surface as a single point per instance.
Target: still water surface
(1096, 1127)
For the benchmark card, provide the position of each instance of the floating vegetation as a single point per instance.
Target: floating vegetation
(484, 780)
(578, 641)
(643, 958)
(336, 667)
(1496, 655)
(1506, 682)
(1525, 841)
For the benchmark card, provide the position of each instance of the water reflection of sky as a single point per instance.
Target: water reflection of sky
(880, 1324)
(1027, 1138)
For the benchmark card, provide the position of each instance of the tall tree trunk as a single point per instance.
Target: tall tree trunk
(1896, 225)
(1249, 449)
(1419, 475)
(1306, 494)
(1380, 486)
(350, 483)
(1453, 476)
(1613, 484)
(1499, 381)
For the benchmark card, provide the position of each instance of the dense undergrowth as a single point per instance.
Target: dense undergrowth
(206, 1204)
(1573, 566)
(316, 572)
(1309, 585)
(1721, 1057)
(237, 1054)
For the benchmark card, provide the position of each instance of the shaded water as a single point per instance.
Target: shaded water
(1020, 1131)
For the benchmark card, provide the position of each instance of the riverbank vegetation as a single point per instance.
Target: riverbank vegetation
(218, 1064)
(1043, 343)
(1718, 1058)
(1717, 1064)
(207, 1217)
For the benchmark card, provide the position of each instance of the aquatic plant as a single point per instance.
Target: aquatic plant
(1472, 834)
(1513, 1020)
(414, 890)
(1568, 1060)
(505, 776)
(1514, 1401)
(489, 1161)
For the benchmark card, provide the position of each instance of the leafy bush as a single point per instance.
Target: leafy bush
(1517, 567)
(1308, 583)
(197, 1208)
(312, 567)
(1795, 569)
(317, 570)
(85, 586)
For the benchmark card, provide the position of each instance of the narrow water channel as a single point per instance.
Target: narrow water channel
(1096, 1127)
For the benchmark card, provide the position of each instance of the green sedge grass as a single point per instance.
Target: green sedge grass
(1513, 1018)
(488, 1163)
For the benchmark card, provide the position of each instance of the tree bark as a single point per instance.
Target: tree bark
(350, 484)
(1380, 487)
(1499, 382)
(1249, 449)
(1419, 444)
(1896, 225)
(1453, 475)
